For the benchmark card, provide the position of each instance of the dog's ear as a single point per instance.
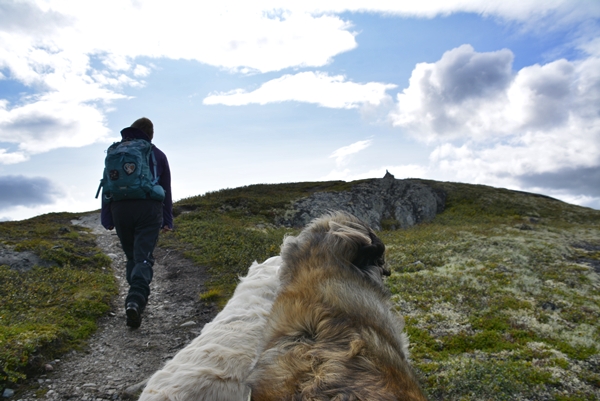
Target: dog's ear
(371, 255)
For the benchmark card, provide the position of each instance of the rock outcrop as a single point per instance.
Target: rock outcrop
(21, 261)
(382, 203)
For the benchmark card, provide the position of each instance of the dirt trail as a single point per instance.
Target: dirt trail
(117, 360)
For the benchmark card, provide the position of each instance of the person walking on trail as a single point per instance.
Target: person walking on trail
(138, 217)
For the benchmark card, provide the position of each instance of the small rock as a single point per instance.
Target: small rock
(502, 269)
(187, 324)
(131, 391)
(48, 367)
(8, 393)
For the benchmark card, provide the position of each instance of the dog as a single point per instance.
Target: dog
(332, 333)
(214, 366)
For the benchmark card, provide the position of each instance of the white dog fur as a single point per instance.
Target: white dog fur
(214, 365)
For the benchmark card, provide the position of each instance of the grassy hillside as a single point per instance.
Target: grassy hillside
(501, 292)
(229, 229)
(48, 310)
(501, 296)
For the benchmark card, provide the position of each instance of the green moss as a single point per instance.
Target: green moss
(488, 380)
(41, 393)
(571, 397)
(48, 310)
(490, 322)
(423, 344)
(561, 363)
(574, 352)
(488, 341)
(389, 224)
(593, 378)
(211, 295)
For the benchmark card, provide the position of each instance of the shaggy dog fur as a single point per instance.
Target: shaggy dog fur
(214, 366)
(332, 333)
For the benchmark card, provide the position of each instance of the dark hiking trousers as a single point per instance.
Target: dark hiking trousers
(138, 223)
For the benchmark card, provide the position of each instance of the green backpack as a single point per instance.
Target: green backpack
(127, 172)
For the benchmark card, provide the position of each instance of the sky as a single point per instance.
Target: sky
(500, 93)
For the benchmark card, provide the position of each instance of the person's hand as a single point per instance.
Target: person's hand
(166, 229)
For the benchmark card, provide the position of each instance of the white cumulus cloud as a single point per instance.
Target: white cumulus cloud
(310, 87)
(77, 57)
(80, 55)
(49, 124)
(464, 90)
(495, 125)
(516, 10)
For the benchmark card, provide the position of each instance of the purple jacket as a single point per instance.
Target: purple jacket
(163, 171)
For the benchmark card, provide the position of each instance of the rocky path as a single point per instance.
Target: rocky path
(117, 360)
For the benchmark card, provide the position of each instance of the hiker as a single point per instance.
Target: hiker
(140, 215)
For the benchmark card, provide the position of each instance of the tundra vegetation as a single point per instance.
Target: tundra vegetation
(500, 292)
(47, 310)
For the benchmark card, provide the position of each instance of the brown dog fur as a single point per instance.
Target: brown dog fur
(332, 333)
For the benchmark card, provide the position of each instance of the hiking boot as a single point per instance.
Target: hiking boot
(134, 315)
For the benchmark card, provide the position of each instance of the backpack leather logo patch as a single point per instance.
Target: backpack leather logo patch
(129, 168)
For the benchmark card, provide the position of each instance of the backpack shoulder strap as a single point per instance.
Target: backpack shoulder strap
(156, 177)
(99, 187)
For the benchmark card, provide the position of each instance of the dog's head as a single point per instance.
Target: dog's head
(340, 238)
(372, 255)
